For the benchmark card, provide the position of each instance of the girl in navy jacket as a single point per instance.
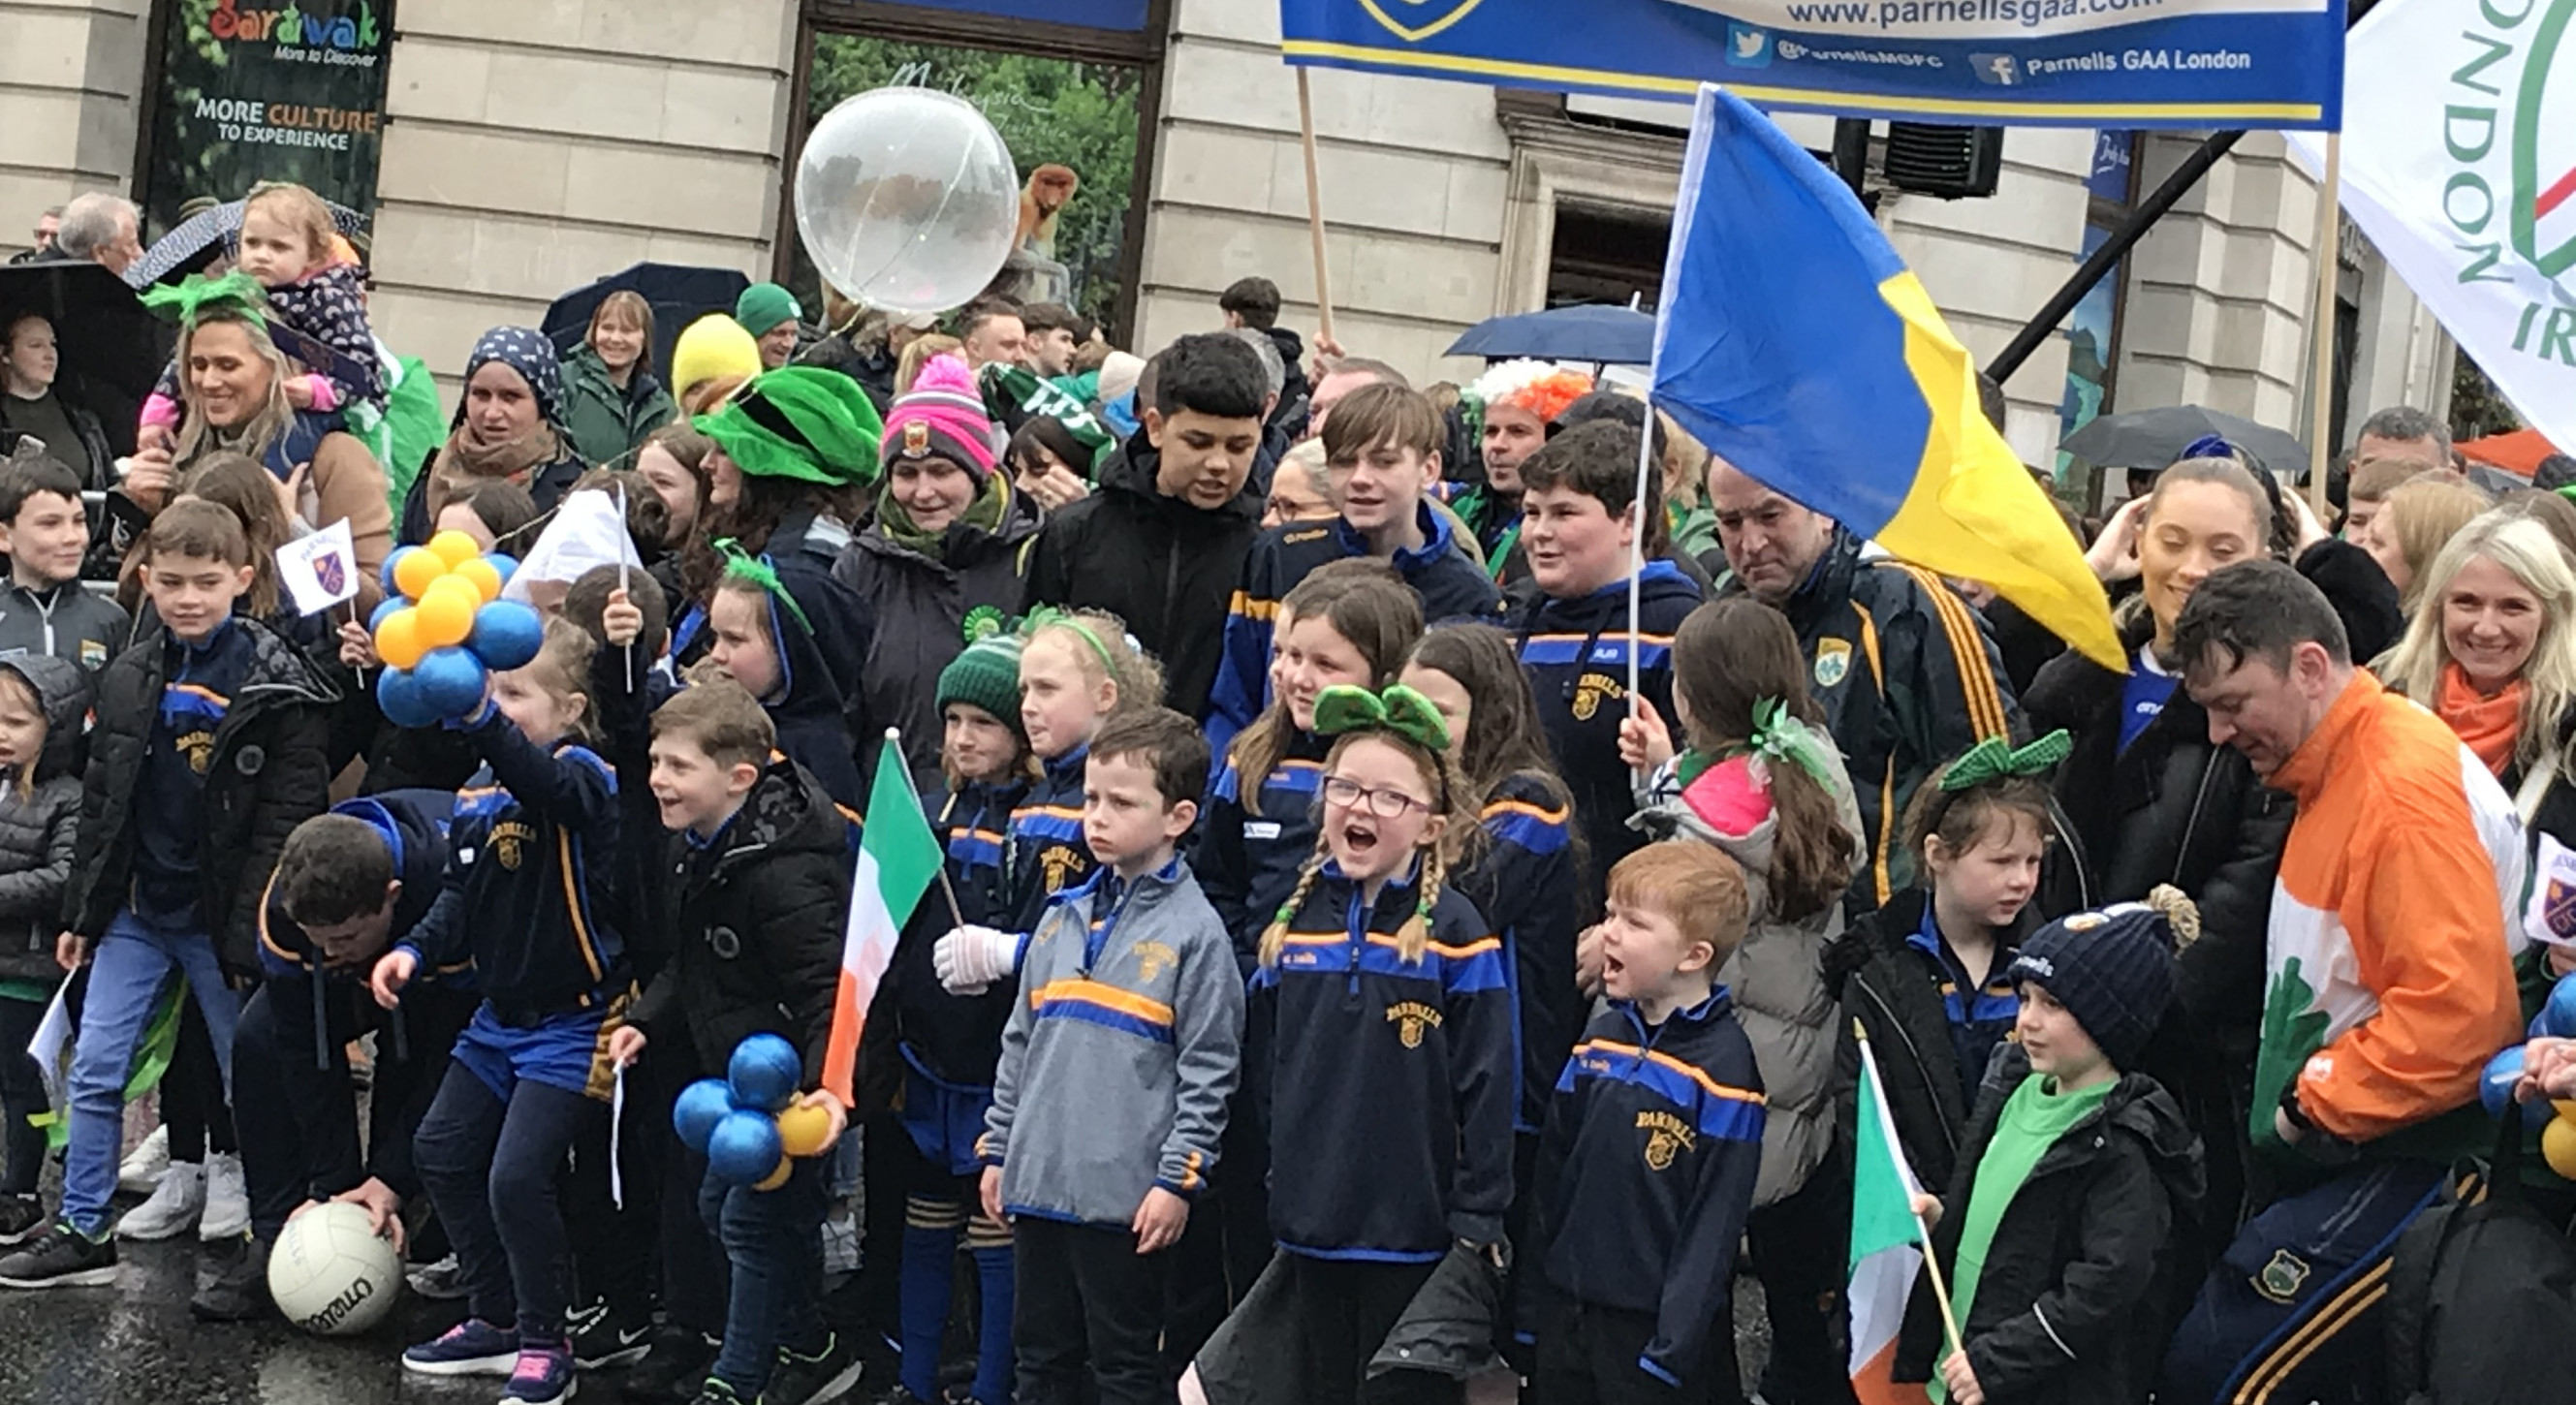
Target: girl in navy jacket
(1381, 1046)
(531, 850)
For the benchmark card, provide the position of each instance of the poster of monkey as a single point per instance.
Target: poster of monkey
(1071, 128)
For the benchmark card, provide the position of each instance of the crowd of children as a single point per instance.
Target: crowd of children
(1471, 985)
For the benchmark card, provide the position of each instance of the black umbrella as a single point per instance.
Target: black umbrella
(105, 338)
(207, 233)
(2155, 438)
(679, 294)
(1604, 336)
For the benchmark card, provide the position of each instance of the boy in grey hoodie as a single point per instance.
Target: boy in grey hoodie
(1116, 1065)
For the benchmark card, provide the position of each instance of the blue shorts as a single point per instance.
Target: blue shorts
(562, 1051)
(944, 1118)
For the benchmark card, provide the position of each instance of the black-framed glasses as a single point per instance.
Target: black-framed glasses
(1385, 804)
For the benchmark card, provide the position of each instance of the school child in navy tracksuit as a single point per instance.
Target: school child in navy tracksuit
(1381, 1020)
(534, 837)
(1653, 1142)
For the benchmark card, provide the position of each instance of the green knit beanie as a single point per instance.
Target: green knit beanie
(763, 306)
(987, 675)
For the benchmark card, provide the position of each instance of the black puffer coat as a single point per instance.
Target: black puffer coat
(2080, 1286)
(758, 917)
(40, 827)
(269, 771)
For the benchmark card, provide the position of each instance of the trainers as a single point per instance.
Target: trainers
(22, 1217)
(176, 1205)
(227, 1214)
(826, 1375)
(140, 1172)
(472, 1347)
(671, 1371)
(440, 1282)
(544, 1376)
(64, 1258)
(716, 1392)
(604, 1339)
(232, 1281)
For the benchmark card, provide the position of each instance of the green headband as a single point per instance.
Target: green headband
(743, 566)
(1342, 709)
(1780, 736)
(1996, 759)
(1045, 615)
(194, 298)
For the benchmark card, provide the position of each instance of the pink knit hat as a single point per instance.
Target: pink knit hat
(942, 416)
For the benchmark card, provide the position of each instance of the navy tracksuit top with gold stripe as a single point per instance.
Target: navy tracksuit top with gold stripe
(531, 845)
(1646, 1173)
(1043, 851)
(1388, 1082)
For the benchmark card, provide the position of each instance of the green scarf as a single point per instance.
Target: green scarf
(992, 503)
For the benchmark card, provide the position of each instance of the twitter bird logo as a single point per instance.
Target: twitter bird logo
(1747, 47)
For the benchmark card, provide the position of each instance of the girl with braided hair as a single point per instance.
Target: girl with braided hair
(1381, 1050)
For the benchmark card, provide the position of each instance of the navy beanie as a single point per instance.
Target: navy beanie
(2112, 969)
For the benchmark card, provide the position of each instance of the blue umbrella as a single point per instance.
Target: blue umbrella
(679, 294)
(1606, 336)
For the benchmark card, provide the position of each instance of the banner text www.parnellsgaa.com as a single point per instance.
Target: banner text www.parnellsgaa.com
(1953, 15)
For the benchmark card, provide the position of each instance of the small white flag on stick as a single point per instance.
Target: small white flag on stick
(320, 570)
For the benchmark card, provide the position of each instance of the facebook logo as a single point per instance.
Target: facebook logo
(1747, 47)
(2003, 70)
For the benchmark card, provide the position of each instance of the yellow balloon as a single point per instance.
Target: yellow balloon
(485, 576)
(446, 615)
(777, 1178)
(453, 548)
(2558, 1147)
(398, 640)
(2565, 1107)
(801, 1129)
(415, 573)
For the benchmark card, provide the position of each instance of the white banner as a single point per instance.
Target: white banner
(320, 570)
(2459, 162)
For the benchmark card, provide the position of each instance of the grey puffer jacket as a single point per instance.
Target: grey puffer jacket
(1777, 976)
(40, 826)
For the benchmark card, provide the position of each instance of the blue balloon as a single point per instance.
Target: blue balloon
(390, 563)
(2495, 1086)
(451, 681)
(2557, 1019)
(400, 699)
(764, 1073)
(393, 602)
(504, 563)
(701, 1106)
(743, 1148)
(507, 635)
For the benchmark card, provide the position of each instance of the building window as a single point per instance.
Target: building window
(1606, 256)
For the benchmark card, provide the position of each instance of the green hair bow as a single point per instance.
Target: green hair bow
(1996, 759)
(1779, 736)
(191, 299)
(741, 565)
(1343, 709)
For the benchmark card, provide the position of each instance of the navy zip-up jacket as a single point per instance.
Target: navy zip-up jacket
(1043, 851)
(1388, 1082)
(1439, 571)
(1246, 863)
(1646, 1174)
(530, 853)
(957, 1039)
(1576, 655)
(1523, 882)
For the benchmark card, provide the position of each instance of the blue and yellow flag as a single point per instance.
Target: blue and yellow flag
(1798, 347)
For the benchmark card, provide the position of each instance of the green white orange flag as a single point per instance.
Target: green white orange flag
(1887, 1247)
(898, 861)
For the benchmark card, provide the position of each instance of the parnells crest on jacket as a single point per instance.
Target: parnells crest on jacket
(1045, 853)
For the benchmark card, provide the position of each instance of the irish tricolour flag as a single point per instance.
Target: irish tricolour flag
(1887, 1246)
(898, 861)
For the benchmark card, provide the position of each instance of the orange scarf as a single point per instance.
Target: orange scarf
(2488, 726)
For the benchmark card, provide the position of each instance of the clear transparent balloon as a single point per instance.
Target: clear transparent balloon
(906, 199)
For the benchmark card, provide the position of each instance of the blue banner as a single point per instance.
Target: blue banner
(1126, 15)
(2086, 63)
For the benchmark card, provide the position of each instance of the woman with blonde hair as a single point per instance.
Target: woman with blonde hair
(2411, 526)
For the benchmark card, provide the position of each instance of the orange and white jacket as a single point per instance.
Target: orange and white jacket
(2390, 968)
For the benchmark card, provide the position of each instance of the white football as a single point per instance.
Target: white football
(332, 1274)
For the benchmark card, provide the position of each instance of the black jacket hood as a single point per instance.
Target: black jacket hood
(63, 694)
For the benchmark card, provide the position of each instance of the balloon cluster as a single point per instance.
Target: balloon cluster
(748, 1123)
(2556, 1020)
(444, 626)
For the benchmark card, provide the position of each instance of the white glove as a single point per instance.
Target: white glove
(971, 958)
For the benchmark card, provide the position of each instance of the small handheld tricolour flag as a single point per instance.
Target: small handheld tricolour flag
(1887, 1246)
(319, 570)
(1797, 346)
(899, 859)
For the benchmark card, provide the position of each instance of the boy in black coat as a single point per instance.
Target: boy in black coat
(2070, 1204)
(758, 882)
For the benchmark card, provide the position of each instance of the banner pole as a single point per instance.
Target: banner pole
(2329, 243)
(1314, 205)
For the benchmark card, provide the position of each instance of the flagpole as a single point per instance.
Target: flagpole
(1314, 205)
(2329, 249)
(1923, 1228)
(1637, 551)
